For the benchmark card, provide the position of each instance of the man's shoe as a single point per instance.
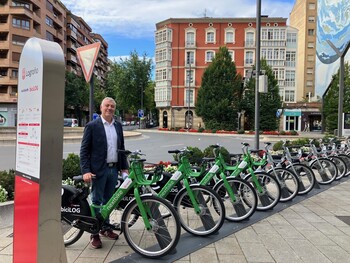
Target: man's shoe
(95, 241)
(109, 234)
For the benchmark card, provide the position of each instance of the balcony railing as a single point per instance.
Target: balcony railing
(190, 44)
(249, 43)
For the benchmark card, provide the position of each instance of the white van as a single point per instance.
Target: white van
(70, 122)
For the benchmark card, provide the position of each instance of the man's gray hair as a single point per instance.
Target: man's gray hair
(109, 99)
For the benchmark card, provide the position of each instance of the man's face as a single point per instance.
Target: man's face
(107, 109)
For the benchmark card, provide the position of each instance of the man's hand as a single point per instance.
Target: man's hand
(88, 177)
(124, 173)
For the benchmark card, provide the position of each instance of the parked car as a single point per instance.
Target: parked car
(70, 122)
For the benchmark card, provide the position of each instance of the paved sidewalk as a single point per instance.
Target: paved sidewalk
(313, 230)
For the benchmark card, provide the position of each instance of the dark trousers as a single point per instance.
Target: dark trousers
(103, 187)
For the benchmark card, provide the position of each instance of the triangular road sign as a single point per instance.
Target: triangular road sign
(87, 56)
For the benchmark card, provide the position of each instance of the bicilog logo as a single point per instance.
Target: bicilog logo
(29, 73)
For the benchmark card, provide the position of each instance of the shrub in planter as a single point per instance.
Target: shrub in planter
(282, 133)
(195, 156)
(213, 130)
(71, 166)
(293, 133)
(208, 152)
(3, 194)
(241, 131)
(201, 129)
(7, 181)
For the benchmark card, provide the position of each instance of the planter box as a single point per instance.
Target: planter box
(6, 214)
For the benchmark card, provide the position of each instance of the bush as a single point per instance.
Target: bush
(241, 131)
(208, 152)
(3, 194)
(213, 130)
(293, 133)
(7, 181)
(201, 129)
(282, 133)
(71, 166)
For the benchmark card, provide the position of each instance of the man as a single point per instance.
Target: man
(100, 160)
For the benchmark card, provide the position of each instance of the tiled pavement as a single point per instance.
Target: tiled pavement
(309, 231)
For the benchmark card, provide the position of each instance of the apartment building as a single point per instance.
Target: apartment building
(185, 47)
(303, 17)
(45, 19)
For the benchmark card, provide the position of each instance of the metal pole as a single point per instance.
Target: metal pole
(141, 104)
(189, 87)
(91, 99)
(257, 74)
(341, 55)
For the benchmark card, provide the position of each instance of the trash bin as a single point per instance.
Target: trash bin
(335, 132)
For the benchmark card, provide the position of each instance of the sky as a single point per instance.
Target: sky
(129, 26)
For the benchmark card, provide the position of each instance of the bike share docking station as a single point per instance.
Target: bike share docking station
(39, 148)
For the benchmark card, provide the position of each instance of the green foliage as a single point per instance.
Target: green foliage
(269, 102)
(129, 80)
(217, 102)
(196, 155)
(201, 129)
(71, 166)
(331, 100)
(3, 194)
(282, 132)
(76, 95)
(293, 132)
(7, 181)
(208, 152)
(241, 131)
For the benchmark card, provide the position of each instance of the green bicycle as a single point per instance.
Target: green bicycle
(146, 229)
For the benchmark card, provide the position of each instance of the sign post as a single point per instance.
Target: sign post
(87, 56)
(39, 148)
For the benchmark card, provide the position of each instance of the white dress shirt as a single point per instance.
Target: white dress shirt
(111, 135)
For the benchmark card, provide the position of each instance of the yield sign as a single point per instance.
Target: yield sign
(87, 57)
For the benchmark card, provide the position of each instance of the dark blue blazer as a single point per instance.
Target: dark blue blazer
(93, 151)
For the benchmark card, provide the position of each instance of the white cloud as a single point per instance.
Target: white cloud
(137, 18)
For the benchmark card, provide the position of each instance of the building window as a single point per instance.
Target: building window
(249, 57)
(21, 23)
(49, 21)
(19, 40)
(232, 54)
(14, 73)
(189, 77)
(311, 19)
(49, 36)
(311, 32)
(289, 96)
(312, 6)
(49, 6)
(229, 35)
(291, 39)
(190, 39)
(209, 55)
(290, 78)
(310, 45)
(191, 97)
(249, 39)
(290, 59)
(310, 58)
(189, 57)
(210, 35)
(18, 3)
(309, 83)
(15, 56)
(310, 71)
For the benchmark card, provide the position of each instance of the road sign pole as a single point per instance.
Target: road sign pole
(91, 99)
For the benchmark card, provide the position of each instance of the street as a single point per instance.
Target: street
(154, 145)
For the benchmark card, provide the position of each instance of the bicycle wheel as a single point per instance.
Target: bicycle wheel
(306, 177)
(246, 199)
(341, 166)
(271, 190)
(346, 159)
(164, 234)
(72, 234)
(324, 169)
(288, 182)
(211, 216)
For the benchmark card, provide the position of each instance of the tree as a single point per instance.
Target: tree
(331, 101)
(270, 102)
(76, 95)
(129, 81)
(217, 102)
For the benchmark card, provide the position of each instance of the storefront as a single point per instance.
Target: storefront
(292, 119)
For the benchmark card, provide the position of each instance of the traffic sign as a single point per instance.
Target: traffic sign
(87, 56)
(94, 116)
(140, 113)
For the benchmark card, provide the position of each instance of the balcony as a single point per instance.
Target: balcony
(4, 62)
(4, 27)
(72, 58)
(7, 80)
(4, 45)
(21, 11)
(6, 98)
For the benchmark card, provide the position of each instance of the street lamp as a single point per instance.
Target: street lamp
(189, 77)
(257, 56)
